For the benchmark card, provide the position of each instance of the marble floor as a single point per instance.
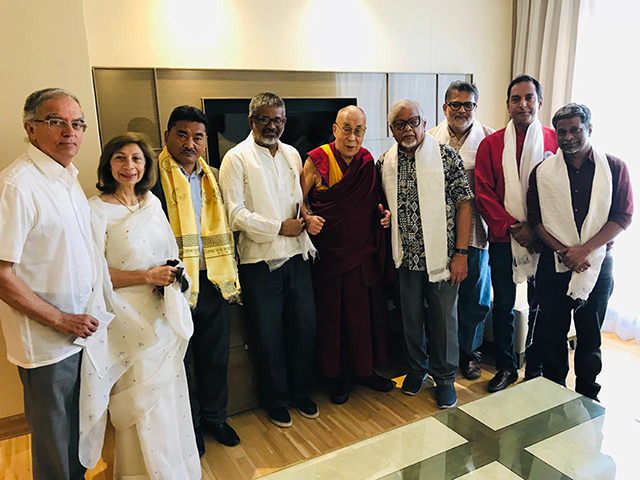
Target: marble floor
(534, 430)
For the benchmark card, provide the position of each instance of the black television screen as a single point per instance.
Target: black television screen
(309, 123)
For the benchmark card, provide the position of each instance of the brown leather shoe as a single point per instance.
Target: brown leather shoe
(471, 370)
(502, 380)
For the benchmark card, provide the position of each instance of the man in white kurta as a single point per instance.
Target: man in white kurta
(260, 182)
(462, 132)
(46, 277)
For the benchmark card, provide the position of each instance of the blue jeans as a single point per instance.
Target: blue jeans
(474, 303)
(587, 318)
(282, 314)
(504, 299)
(433, 305)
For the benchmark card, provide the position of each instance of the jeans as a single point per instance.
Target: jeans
(474, 303)
(436, 306)
(282, 315)
(504, 299)
(588, 318)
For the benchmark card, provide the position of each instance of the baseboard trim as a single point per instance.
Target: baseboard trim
(14, 426)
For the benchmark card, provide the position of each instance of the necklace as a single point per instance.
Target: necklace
(126, 206)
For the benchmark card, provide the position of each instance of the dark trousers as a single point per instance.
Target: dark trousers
(504, 299)
(51, 404)
(474, 303)
(282, 315)
(207, 357)
(434, 305)
(588, 318)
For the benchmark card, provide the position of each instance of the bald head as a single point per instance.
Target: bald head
(349, 129)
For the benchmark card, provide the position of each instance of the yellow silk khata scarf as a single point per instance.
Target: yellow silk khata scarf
(217, 238)
(335, 172)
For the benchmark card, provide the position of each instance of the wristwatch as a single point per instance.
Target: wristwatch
(461, 251)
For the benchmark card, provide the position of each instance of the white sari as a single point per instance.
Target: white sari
(148, 396)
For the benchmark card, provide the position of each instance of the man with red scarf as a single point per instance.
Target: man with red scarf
(346, 217)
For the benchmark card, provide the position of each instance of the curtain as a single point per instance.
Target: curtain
(606, 71)
(546, 33)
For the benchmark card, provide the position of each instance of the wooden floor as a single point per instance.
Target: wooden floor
(266, 448)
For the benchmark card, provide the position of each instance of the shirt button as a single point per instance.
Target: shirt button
(575, 209)
(576, 191)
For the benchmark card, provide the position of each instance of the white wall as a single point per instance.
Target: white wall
(44, 44)
(426, 36)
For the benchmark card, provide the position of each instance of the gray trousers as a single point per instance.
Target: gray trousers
(51, 403)
(436, 306)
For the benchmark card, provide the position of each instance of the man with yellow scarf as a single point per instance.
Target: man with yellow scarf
(189, 193)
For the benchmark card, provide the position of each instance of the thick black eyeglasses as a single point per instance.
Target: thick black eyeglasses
(402, 124)
(468, 106)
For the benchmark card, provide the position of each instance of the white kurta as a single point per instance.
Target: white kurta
(149, 403)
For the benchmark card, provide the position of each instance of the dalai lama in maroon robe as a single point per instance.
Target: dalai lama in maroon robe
(346, 219)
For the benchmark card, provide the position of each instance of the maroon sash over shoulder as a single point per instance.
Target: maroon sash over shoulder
(352, 234)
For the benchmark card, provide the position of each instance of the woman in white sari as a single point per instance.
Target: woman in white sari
(139, 364)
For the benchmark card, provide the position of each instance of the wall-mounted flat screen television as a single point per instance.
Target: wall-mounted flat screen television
(309, 123)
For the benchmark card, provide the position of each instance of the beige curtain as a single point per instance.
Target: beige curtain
(546, 33)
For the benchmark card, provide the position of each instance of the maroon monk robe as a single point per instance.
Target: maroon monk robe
(348, 275)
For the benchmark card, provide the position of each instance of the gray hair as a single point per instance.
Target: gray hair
(571, 110)
(36, 99)
(265, 99)
(460, 86)
(395, 110)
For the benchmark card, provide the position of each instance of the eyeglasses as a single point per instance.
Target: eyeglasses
(58, 124)
(263, 120)
(468, 106)
(402, 124)
(358, 131)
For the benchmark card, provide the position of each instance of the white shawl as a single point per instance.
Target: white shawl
(515, 185)
(557, 215)
(469, 149)
(430, 177)
(131, 333)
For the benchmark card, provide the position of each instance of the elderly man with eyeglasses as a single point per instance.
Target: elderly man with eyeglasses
(347, 220)
(429, 197)
(47, 278)
(260, 181)
(462, 132)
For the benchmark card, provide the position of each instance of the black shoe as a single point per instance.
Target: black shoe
(413, 383)
(470, 369)
(223, 433)
(531, 375)
(279, 416)
(446, 396)
(377, 383)
(200, 442)
(340, 389)
(307, 407)
(502, 380)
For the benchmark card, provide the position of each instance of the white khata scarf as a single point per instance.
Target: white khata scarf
(557, 216)
(515, 186)
(469, 148)
(430, 178)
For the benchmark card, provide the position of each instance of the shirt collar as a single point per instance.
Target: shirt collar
(51, 169)
(198, 170)
(262, 149)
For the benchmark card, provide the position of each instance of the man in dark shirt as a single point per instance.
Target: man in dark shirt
(575, 268)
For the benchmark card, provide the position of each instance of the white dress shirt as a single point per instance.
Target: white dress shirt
(45, 233)
(260, 192)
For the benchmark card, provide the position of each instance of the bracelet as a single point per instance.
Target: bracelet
(281, 228)
(461, 251)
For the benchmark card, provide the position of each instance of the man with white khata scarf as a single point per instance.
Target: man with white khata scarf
(462, 132)
(503, 164)
(579, 200)
(428, 195)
